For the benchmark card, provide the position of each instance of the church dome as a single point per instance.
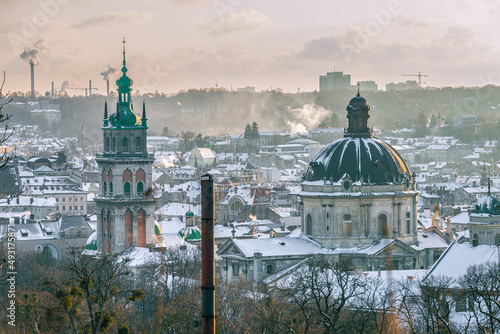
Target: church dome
(190, 233)
(189, 214)
(92, 242)
(358, 155)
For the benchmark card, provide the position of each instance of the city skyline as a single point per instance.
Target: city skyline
(176, 45)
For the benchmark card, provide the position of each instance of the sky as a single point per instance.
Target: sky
(175, 45)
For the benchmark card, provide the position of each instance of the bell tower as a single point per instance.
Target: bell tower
(125, 204)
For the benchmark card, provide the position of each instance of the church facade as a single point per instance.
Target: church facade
(125, 204)
(357, 192)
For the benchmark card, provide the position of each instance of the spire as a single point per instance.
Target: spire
(143, 109)
(489, 186)
(124, 61)
(144, 119)
(106, 119)
(358, 90)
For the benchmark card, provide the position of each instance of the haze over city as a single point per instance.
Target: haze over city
(176, 45)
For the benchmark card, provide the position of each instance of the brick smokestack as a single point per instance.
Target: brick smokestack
(207, 255)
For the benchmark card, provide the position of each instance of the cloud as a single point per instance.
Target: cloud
(127, 18)
(230, 22)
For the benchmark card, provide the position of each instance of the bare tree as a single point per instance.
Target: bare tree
(482, 286)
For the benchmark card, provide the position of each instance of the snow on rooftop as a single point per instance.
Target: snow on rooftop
(458, 257)
(280, 247)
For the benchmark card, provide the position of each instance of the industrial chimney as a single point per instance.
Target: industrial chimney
(90, 88)
(107, 87)
(32, 66)
(53, 93)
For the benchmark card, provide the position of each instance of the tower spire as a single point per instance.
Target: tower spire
(105, 109)
(358, 89)
(124, 42)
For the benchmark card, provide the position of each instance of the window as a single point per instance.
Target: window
(270, 269)
(126, 188)
(64, 208)
(81, 207)
(475, 240)
(408, 223)
(309, 225)
(64, 199)
(236, 269)
(70, 208)
(140, 188)
(104, 188)
(114, 144)
(125, 144)
(346, 225)
(497, 240)
(383, 228)
(138, 144)
(111, 188)
(107, 144)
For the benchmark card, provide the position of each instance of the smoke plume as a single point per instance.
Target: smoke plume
(307, 117)
(65, 85)
(106, 74)
(33, 54)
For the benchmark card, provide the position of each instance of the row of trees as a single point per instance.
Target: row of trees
(107, 295)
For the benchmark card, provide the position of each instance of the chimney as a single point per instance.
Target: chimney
(90, 88)
(32, 66)
(207, 255)
(107, 87)
(53, 93)
(282, 227)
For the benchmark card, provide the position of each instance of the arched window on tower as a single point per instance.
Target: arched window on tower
(114, 145)
(138, 144)
(104, 189)
(346, 225)
(126, 188)
(125, 144)
(141, 228)
(383, 228)
(111, 189)
(309, 229)
(128, 229)
(408, 223)
(140, 178)
(107, 144)
(497, 240)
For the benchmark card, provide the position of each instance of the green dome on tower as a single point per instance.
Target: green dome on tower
(189, 214)
(124, 115)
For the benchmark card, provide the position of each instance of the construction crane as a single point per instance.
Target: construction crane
(85, 89)
(419, 75)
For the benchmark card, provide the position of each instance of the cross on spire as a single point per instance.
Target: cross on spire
(124, 42)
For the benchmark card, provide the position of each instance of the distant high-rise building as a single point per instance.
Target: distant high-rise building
(334, 80)
(409, 84)
(365, 86)
(125, 204)
(246, 89)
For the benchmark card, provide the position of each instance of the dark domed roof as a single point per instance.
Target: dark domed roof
(362, 158)
(357, 103)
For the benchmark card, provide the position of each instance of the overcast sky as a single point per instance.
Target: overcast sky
(182, 44)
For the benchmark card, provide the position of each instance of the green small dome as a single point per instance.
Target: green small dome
(92, 242)
(488, 204)
(189, 214)
(158, 229)
(190, 233)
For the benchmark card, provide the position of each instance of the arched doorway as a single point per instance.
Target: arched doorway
(383, 228)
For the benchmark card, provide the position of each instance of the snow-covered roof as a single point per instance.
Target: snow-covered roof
(280, 247)
(458, 257)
